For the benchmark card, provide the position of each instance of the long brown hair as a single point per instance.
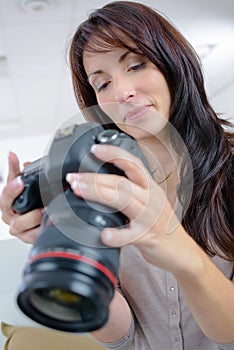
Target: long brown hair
(209, 217)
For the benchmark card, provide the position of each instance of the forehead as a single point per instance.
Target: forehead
(99, 60)
(96, 56)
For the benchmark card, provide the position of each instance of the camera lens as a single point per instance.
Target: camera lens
(67, 289)
(62, 305)
(69, 294)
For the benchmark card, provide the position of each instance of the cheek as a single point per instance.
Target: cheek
(103, 101)
(156, 83)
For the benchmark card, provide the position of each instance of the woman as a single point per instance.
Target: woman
(176, 273)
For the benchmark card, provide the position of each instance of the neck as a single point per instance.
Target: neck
(160, 154)
(164, 163)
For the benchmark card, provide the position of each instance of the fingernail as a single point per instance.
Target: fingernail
(78, 185)
(68, 177)
(75, 181)
(72, 176)
(97, 148)
(74, 185)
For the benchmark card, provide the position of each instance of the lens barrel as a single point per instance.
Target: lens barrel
(67, 291)
(70, 276)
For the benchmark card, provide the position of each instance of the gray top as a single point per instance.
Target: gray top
(161, 318)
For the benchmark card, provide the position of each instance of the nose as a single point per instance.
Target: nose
(124, 90)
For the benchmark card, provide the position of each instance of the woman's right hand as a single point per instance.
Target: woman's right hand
(26, 226)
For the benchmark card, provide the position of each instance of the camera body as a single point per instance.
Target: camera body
(69, 152)
(70, 276)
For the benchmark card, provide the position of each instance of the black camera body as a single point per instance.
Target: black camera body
(70, 276)
(69, 152)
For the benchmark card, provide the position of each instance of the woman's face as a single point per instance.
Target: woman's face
(130, 89)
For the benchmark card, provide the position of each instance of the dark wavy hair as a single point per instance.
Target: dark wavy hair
(209, 216)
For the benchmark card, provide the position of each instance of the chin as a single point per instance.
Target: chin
(142, 131)
(135, 131)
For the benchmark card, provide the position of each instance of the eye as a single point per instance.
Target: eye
(136, 66)
(103, 86)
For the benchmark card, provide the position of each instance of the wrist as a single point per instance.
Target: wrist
(192, 260)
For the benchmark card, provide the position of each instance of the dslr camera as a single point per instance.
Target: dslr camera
(70, 275)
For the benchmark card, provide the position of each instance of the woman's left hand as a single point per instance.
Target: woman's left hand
(154, 227)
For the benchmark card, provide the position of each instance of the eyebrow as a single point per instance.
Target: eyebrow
(121, 59)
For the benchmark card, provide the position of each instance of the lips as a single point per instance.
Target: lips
(136, 113)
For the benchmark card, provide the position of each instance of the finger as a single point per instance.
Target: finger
(13, 164)
(8, 195)
(111, 190)
(12, 189)
(29, 236)
(132, 166)
(143, 207)
(26, 222)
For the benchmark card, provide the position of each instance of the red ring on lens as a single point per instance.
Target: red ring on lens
(82, 258)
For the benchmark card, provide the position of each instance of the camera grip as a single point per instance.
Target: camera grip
(28, 200)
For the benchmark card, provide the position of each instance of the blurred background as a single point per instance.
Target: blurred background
(36, 94)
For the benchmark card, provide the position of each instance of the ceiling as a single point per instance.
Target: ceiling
(35, 87)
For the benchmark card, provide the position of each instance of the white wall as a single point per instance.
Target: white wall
(223, 102)
(13, 253)
(27, 149)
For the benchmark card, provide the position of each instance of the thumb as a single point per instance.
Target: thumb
(13, 164)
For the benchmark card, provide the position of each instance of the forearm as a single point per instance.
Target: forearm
(118, 323)
(210, 297)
